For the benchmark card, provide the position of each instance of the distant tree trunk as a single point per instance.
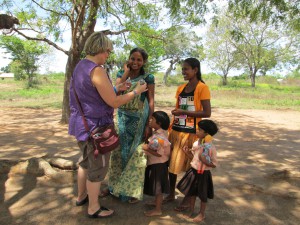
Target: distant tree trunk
(252, 81)
(253, 71)
(252, 77)
(224, 79)
(170, 68)
(225, 74)
(167, 73)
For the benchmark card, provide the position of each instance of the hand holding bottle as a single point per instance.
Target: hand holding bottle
(140, 88)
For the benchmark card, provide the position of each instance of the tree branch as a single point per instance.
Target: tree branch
(49, 10)
(113, 14)
(109, 32)
(44, 40)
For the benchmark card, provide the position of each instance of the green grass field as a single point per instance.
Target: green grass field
(268, 94)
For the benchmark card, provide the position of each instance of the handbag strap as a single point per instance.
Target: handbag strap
(80, 109)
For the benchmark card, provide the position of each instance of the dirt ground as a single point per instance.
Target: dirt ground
(256, 182)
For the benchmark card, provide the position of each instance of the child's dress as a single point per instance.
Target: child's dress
(157, 174)
(197, 181)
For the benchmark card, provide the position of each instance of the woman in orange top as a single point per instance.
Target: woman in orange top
(192, 104)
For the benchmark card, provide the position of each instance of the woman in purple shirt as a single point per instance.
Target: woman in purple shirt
(98, 99)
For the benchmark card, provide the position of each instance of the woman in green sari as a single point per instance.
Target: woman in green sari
(127, 167)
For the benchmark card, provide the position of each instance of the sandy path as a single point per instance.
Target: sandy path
(257, 181)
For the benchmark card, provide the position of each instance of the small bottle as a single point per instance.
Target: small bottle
(154, 144)
(128, 82)
(142, 81)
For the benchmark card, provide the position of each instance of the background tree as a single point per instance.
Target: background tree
(259, 44)
(181, 42)
(153, 46)
(48, 20)
(25, 55)
(175, 44)
(279, 11)
(221, 55)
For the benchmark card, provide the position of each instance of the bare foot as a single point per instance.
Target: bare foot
(181, 208)
(133, 200)
(188, 217)
(153, 212)
(200, 217)
(190, 214)
(169, 198)
(150, 203)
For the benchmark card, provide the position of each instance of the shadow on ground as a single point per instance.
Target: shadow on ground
(257, 180)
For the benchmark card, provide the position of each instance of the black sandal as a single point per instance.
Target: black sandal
(82, 202)
(97, 215)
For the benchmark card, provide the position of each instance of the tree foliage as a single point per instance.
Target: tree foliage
(274, 11)
(181, 42)
(259, 44)
(48, 21)
(24, 54)
(243, 42)
(174, 44)
(220, 53)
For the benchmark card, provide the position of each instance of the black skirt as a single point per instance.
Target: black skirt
(157, 179)
(194, 184)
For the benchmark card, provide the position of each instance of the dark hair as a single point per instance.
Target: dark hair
(162, 119)
(208, 126)
(193, 62)
(144, 55)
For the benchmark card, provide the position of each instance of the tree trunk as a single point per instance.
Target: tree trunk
(224, 79)
(73, 59)
(252, 77)
(167, 73)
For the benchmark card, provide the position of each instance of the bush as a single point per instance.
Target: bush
(15, 68)
(294, 74)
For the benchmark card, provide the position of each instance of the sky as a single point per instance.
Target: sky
(4, 58)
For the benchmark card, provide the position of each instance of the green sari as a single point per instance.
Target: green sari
(127, 167)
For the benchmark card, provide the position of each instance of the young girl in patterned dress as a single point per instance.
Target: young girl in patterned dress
(158, 153)
(197, 181)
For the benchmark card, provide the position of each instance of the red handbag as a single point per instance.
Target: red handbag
(105, 139)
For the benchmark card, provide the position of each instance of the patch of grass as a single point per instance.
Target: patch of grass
(237, 94)
(47, 95)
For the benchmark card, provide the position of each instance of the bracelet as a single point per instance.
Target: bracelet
(115, 89)
(135, 93)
